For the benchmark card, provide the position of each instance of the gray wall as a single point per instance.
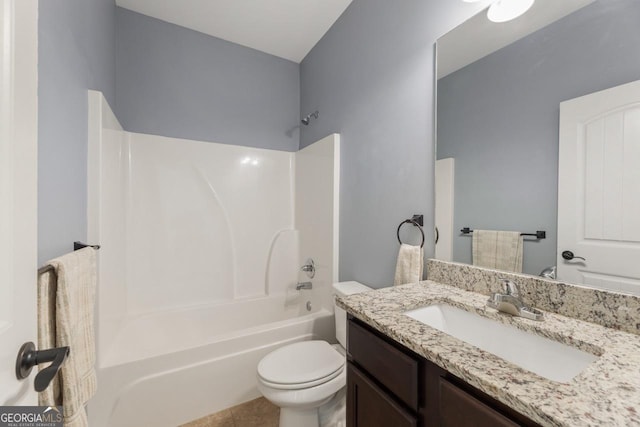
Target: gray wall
(76, 52)
(371, 77)
(176, 82)
(170, 81)
(498, 118)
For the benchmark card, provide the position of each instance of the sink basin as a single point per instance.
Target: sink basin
(547, 358)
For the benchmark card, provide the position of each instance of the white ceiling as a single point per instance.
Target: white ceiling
(284, 28)
(478, 37)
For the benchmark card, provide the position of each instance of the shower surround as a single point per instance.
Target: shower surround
(202, 245)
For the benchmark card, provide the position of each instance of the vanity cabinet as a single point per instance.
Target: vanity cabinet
(389, 385)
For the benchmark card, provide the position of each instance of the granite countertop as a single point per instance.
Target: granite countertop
(606, 393)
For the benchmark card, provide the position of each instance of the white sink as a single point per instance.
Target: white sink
(547, 358)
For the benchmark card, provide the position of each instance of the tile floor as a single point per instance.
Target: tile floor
(256, 413)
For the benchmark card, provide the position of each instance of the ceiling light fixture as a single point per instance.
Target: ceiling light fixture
(506, 10)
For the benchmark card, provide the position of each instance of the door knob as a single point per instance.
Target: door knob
(28, 357)
(568, 255)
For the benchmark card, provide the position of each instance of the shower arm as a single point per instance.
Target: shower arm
(305, 121)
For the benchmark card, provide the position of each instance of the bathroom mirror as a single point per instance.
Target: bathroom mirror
(499, 89)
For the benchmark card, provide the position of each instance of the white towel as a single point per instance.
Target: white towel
(66, 301)
(500, 250)
(409, 265)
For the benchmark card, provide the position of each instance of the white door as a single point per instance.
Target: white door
(599, 189)
(18, 189)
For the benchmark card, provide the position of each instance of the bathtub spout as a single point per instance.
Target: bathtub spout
(304, 285)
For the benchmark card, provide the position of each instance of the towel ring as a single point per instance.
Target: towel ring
(414, 222)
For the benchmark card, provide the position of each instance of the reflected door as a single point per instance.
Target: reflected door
(599, 190)
(445, 169)
(18, 148)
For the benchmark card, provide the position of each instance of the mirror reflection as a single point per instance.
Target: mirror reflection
(501, 148)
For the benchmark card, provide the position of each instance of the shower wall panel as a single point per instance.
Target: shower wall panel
(202, 220)
(107, 178)
(317, 206)
(201, 240)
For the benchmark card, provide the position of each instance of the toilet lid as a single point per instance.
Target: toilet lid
(301, 362)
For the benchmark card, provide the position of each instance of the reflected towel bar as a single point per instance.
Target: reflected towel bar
(76, 246)
(537, 234)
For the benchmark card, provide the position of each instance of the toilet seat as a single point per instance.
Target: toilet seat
(300, 386)
(301, 365)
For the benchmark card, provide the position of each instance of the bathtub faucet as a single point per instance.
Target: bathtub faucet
(310, 268)
(304, 285)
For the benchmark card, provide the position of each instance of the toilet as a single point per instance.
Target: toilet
(301, 377)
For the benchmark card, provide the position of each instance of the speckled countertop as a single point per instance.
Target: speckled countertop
(606, 393)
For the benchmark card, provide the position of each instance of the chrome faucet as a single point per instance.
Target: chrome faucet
(510, 302)
(304, 285)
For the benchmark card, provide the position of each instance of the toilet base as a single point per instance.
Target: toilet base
(294, 417)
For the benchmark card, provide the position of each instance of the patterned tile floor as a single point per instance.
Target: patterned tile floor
(256, 413)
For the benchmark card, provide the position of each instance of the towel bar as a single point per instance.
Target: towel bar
(76, 246)
(79, 245)
(537, 234)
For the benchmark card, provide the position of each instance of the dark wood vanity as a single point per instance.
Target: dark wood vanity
(388, 385)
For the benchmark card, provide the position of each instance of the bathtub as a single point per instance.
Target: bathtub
(169, 368)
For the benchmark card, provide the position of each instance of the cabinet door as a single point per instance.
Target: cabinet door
(369, 406)
(392, 367)
(460, 409)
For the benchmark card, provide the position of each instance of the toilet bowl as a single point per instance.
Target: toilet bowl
(301, 377)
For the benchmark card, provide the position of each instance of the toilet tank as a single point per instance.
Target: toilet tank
(343, 289)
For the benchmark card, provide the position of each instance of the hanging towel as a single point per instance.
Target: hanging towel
(66, 299)
(409, 265)
(501, 250)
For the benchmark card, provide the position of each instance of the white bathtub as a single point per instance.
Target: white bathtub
(178, 366)
(170, 331)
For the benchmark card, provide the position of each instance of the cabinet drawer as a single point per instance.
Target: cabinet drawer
(370, 406)
(460, 409)
(394, 369)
